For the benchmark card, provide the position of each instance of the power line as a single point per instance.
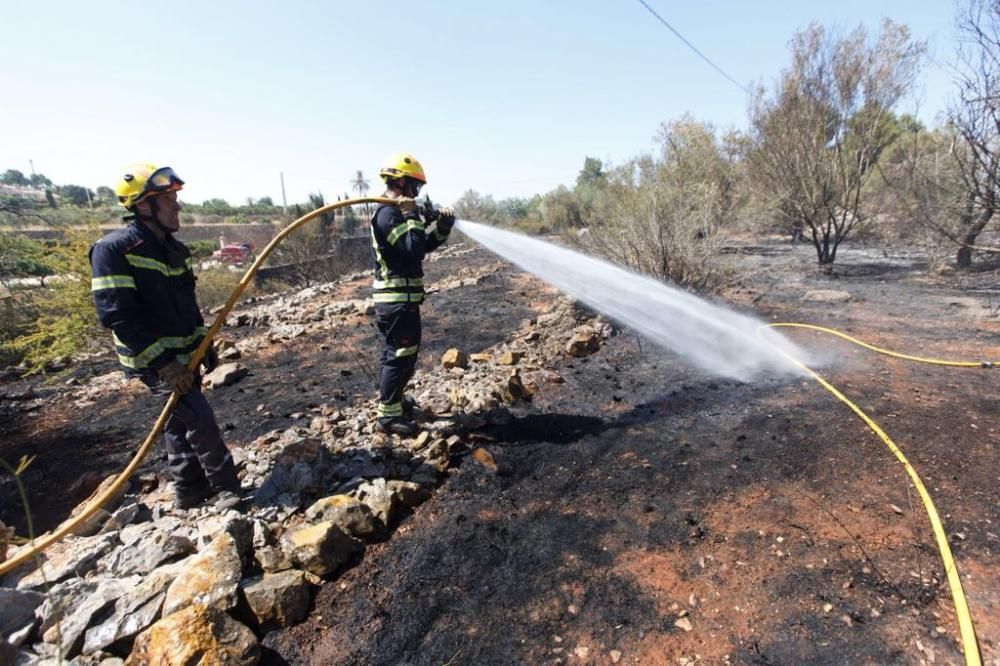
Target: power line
(694, 48)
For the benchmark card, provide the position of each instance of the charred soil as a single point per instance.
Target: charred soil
(639, 512)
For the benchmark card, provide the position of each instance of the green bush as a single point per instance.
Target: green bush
(201, 249)
(65, 322)
(214, 285)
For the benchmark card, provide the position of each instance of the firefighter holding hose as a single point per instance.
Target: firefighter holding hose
(401, 236)
(143, 288)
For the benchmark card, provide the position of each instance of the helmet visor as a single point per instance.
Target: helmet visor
(163, 179)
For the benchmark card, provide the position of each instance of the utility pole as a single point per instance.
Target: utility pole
(90, 202)
(32, 163)
(284, 200)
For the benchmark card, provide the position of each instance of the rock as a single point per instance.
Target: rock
(238, 527)
(455, 358)
(827, 296)
(320, 548)
(93, 524)
(68, 633)
(17, 608)
(152, 550)
(485, 458)
(510, 358)
(481, 357)
(377, 497)
(272, 559)
(516, 389)
(583, 343)
(277, 600)
(133, 613)
(684, 623)
(197, 635)
(407, 493)
(125, 515)
(210, 578)
(224, 375)
(344, 511)
(73, 556)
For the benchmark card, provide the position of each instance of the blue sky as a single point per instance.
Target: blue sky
(501, 97)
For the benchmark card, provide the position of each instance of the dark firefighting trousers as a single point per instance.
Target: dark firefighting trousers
(399, 325)
(196, 454)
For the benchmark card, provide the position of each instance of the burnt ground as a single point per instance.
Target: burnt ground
(642, 510)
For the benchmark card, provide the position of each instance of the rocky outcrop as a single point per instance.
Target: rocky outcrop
(196, 635)
(166, 584)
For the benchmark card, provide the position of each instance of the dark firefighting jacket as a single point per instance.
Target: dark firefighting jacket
(143, 288)
(399, 243)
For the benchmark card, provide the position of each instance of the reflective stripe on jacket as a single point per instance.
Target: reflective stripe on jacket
(399, 243)
(143, 289)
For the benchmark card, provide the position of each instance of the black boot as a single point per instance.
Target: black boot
(189, 498)
(398, 425)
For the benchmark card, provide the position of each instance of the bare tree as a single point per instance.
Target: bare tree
(817, 137)
(975, 117)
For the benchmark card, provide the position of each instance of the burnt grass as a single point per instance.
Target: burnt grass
(642, 509)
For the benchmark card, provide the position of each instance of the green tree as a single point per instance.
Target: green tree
(76, 194)
(106, 195)
(592, 173)
(39, 181)
(14, 177)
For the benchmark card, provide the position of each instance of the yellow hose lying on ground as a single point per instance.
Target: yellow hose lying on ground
(968, 632)
(40, 544)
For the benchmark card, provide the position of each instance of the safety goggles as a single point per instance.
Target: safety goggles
(163, 179)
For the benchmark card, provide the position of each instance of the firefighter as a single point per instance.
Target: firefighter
(400, 239)
(143, 288)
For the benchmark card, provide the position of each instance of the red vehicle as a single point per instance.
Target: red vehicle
(234, 253)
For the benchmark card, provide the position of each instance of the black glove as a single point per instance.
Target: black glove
(446, 220)
(211, 359)
(429, 212)
(177, 376)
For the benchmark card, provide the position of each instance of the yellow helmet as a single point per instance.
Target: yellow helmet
(144, 180)
(398, 165)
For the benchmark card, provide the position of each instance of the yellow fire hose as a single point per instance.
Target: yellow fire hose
(970, 645)
(40, 544)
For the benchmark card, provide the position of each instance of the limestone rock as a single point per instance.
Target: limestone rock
(320, 548)
(583, 343)
(272, 559)
(510, 358)
(224, 375)
(408, 493)
(344, 511)
(827, 296)
(75, 619)
(17, 608)
(455, 358)
(152, 550)
(377, 497)
(73, 556)
(210, 578)
(134, 611)
(277, 600)
(197, 635)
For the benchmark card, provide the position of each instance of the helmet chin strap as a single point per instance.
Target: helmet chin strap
(153, 219)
